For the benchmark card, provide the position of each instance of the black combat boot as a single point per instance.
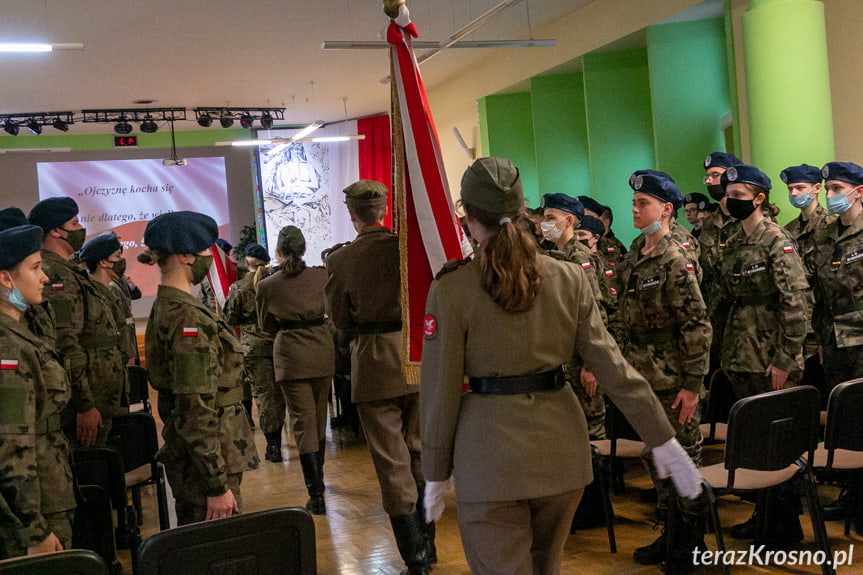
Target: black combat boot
(411, 543)
(274, 446)
(652, 554)
(314, 483)
(782, 519)
(683, 540)
(428, 527)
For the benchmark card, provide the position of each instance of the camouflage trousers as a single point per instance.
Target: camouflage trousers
(689, 436)
(842, 364)
(14, 539)
(269, 399)
(746, 384)
(190, 499)
(593, 407)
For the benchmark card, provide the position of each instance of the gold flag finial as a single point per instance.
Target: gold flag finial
(391, 7)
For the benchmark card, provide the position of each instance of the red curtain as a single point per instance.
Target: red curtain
(376, 155)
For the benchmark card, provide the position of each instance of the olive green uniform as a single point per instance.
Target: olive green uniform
(194, 360)
(35, 476)
(128, 336)
(88, 340)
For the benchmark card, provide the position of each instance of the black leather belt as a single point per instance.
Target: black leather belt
(515, 384)
(381, 327)
(300, 324)
(659, 335)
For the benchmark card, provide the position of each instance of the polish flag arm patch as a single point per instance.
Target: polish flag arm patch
(788, 249)
(8, 364)
(56, 286)
(190, 332)
(585, 265)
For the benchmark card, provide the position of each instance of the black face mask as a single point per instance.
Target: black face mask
(739, 209)
(586, 243)
(716, 192)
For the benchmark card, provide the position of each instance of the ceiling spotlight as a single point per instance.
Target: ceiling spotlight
(123, 127)
(148, 126)
(205, 121)
(246, 120)
(60, 125)
(226, 120)
(34, 127)
(266, 121)
(11, 128)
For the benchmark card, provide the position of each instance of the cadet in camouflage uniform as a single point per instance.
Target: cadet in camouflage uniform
(88, 337)
(611, 248)
(257, 350)
(561, 215)
(696, 207)
(36, 497)
(195, 360)
(836, 266)
(668, 341)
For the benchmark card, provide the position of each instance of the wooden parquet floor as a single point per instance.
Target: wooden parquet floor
(354, 537)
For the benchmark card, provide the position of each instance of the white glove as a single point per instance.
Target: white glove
(433, 498)
(670, 459)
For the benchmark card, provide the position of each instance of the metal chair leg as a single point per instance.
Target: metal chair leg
(821, 537)
(608, 511)
(714, 518)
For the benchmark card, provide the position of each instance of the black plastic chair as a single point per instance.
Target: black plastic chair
(714, 421)
(139, 388)
(842, 449)
(622, 443)
(771, 441)
(103, 467)
(134, 436)
(74, 562)
(277, 541)
(93, 528)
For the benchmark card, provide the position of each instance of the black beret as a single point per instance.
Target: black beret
(563, 203)
(700, 200)
(226, 247)
(99, 248)
(53, 213)
(257, 251)
(744, 174)
(802, 173)
(844, 171)
(657, 184)
(181, 232)
(17, 243)
(592, 205)
(721, 160)
(291, 241)
(11, 218)
(593, 225)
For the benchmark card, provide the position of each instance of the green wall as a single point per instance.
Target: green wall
(507, 132)
(689, 97)
(619, 129)
(560, 134)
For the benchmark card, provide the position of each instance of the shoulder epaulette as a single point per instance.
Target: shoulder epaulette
(450, 266)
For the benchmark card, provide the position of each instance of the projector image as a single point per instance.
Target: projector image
(173, 162)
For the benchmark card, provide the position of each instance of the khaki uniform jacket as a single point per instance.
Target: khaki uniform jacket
(364, 288)
(763, 282)
(298, 352)
(240, 309)
(667, 332)
(530, 445)
(195, 360)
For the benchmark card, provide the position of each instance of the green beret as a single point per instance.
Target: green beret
(17, 243)
(53, 213)
(291, 241)
(181, 232)
(366, 193)
(493, 185)
(99, 248)
(11, 218)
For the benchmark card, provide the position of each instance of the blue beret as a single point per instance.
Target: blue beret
(593, 225)
(844, 171)
(744, 174)
(721, 160)
(181, 232)
(657, 184)
(563, 203)
(12, 217)
(100, 248)
(802, 173)
(17, 243)
(257, 251)
(592, 205)
(700, 200)
(226, 247)
(53, 213)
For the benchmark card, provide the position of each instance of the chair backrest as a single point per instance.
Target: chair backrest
(134, 436)
(139, 391)
(93, 528)
(844, 428)
(101, 466)
(770, 431)
(74, 562)
(273, 542)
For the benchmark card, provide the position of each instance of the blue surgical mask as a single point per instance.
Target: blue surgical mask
(651, 228)
(17, 299)
(801, 201)
(838, 204)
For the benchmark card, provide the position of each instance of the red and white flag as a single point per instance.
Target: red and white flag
(428, 228)
(222, 274)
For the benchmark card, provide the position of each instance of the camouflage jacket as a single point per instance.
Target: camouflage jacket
(125, 321)
(88, 337)
(577, 253)
(836, 265)
(612, 249)
(715, 231)
(35, 477)
(195, 360)
(668, 334)
(763, 282)
(240, 309)
(686, 240)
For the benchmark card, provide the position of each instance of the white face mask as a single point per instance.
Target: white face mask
(651, 228)
(550, 231)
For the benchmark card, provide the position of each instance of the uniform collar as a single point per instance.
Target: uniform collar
(373, 229)
(855, 228)
(172, 293)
